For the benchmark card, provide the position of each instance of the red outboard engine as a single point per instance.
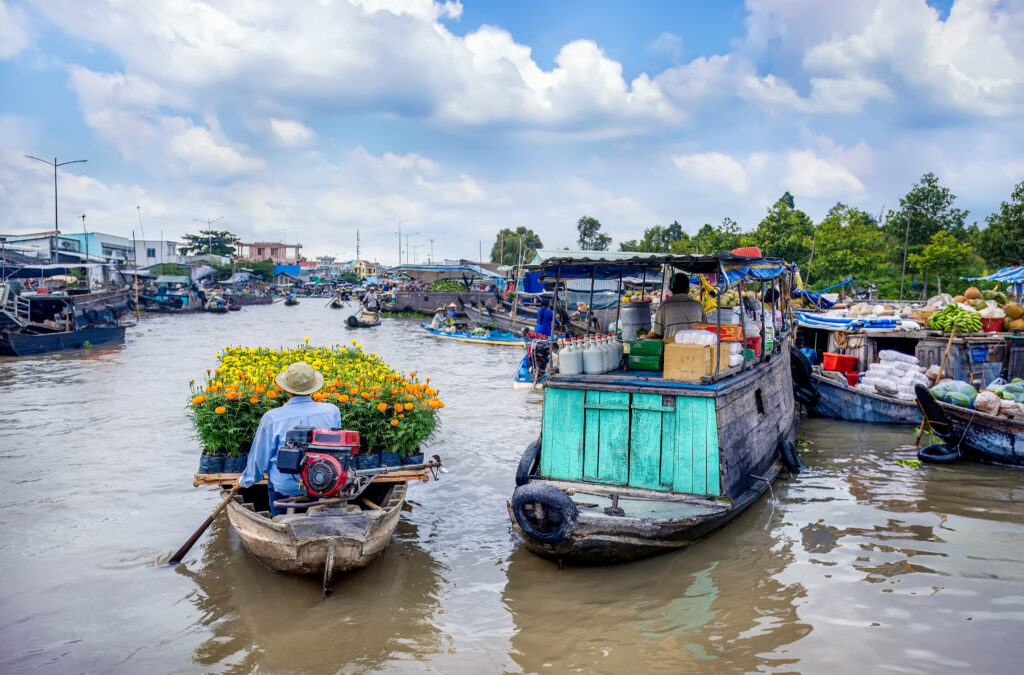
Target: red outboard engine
(321, 457)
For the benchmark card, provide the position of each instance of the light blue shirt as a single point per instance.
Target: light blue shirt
(299, 411)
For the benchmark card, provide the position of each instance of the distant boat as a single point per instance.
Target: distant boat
(37, 324)
(839, 401)
(366, 319)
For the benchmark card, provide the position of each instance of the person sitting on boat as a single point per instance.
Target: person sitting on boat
(452, 312)
(438, 320)
(370, 300)
(545, 317)
(298, 380)
(679, 312)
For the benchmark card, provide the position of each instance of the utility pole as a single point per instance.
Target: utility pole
(135, 251)
(357, 245)
(85, 237)
(407, 245)
(399, 233)
(431, 251)
(209, 235)
(56, 227)
(906, 241)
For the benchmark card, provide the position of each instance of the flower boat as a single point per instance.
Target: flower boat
(635, 463)
(346, 527)
(494, 337)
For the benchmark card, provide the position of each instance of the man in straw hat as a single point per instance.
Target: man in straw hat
(298, 380)
(438, 319)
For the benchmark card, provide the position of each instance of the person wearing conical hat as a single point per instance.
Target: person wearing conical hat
(298, 380)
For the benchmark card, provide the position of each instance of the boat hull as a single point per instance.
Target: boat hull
(659, 526)
(839, 401)
(505, 341)
(279, 545)
(246, 300)
(27, 344)
(988, 438)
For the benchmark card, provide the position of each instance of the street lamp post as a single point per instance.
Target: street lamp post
(399, 233)
(209, 236)
(55, 164)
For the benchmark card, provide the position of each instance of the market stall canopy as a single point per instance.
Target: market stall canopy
(238, 278)
(435, 272)
(201, 272)
(35, 271)
(1008, 275)
(606, 265)
(66, 278)
(172, 279)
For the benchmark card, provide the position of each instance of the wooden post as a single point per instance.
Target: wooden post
(949, 345)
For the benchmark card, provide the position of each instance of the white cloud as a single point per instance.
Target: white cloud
(812, 176)
(713, 168)
(669, 44)
(290, 132)
(14, 34)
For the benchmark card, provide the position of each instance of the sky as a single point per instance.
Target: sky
(309, 120)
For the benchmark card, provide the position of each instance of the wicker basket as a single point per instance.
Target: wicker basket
(921, 315)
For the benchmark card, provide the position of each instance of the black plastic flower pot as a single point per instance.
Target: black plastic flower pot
(390, 459)
(367, 461)
(413, 459)
(235, 464)
(211, 464)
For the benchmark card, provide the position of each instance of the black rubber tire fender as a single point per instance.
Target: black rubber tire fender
(353, 321)
(528, 463)
(790, 457)
(938, 454)
(808, 396)
(554, 501)
(800, 367)
(91, 315)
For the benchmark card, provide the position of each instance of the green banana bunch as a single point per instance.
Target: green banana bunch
(966, 321)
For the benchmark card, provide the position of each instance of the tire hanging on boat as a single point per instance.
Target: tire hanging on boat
(353, 321)
(807, 396)
(528, 463)
(938, 453)
(559, 511)
(790, 457)
(800, 367)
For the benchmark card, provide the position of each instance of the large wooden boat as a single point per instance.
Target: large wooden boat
(977, 435)
(37, 324)
(246, 299)
(631, 464)
(839, 401)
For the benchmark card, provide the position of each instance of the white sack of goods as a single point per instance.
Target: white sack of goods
(932, 373)
(992, 311)
(696, 337)
(987, 402)
(1011, 409)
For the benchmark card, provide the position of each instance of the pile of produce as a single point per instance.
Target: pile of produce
(1014, 316)
(967, 320)
(998, 398)
(447, 286)
(636, 296)
(389, 410)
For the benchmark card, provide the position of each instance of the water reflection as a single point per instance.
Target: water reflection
(262, 620)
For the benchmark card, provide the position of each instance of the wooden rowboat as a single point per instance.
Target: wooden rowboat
(495, 337)
(839, 401)
(989, 438)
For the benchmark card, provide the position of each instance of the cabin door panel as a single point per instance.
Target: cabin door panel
(606, 450)
(561, 454)
(696, 466)
(647, 441)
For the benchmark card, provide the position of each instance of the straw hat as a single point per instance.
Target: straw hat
(452, 305)
(440, 309)
(299, 379)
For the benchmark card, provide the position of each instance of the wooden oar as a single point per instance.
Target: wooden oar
(183, 551)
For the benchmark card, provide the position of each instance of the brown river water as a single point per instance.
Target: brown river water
(857, 565)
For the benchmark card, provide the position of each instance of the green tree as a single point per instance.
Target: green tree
(942, 254)
(590, 237)
(1002, 242)
(656, 239)
(786, 232)
(723, 237)
(217, 242)
(507, 245)
(264, 269)
(925, 210)
(847, 241)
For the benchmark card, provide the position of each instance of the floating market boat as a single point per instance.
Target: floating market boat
(336, 303)
(365, 319)
(632, 463)
(291, 301)
(532, 370)
(37, 324)
(839, 401)
(494, 337)
(976, 435)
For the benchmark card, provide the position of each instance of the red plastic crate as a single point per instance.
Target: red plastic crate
(731, 332)
(755, 344)
(991, 325)
(842, 363)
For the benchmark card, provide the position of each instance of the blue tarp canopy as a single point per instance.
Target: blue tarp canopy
(438, 271)
(736, 267)
(1007, 275)
(815, 298)
(810, 320)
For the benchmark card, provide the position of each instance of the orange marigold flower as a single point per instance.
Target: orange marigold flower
(394, 423)
(232, 396)
(254, 399)
(353, 391)
(401, 415)
(198, 399)
(366, 394)
(260, 389)
(220, 410)
(271, 394)
(412, 374)
(384, 406)
(399, 407)
(343, 398)
(430, 392)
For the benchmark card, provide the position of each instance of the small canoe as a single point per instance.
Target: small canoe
(494, 337)
(325, 540)
(989, 438)
(290, 302)
(839, 401)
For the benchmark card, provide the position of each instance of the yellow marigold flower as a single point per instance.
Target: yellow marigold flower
(198, 399)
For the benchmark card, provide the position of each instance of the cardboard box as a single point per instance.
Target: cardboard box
(692, 362)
